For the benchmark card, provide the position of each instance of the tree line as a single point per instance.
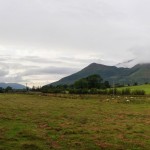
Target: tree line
(92, 84)
(6, 90)
(83, 85)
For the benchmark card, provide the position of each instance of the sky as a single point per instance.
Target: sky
(42, 41)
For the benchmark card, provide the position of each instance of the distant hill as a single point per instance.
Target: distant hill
(139, 73)
(13, 85)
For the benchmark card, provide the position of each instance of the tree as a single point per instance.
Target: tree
(8, 89)
(1, 90)
(94, 81)
(135, 84)
(106, 84)
(33, 88)
(81, 84)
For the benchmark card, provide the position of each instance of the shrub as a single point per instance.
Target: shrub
(113, 91)
(138, 92)
(126, 91)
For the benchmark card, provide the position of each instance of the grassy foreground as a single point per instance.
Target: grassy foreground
(34, 122)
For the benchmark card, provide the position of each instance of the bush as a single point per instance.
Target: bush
(138, 92)
(78, 91)
(93, 91)
(1, 90)
(113, 91)
(126, 91)
(104, 92)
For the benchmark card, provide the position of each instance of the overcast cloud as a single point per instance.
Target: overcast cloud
(42, 41)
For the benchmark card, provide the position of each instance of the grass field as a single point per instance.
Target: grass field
(71, 122)
(145, 87)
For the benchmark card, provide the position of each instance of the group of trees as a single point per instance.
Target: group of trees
(85, 85)
(11, 90)
(6, 90)
(93, 84)
(90, 82)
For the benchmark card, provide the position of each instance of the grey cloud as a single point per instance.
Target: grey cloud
(58, 60)
(75, 26)
(49, 70)
(66, 61)
(36, 34)
(11, 79)
(34, 25)
(3, 72)
(141, 54)
(7, 66)
(36, 59)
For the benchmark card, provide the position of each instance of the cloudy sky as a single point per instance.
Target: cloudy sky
(42, 41)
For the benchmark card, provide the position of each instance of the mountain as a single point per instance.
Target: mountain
(13, 85)
(131, 63)
(139, 73)
(128, 64)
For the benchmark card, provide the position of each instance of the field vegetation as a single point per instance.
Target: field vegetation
(92, 84)
(76, 122)
(145, 87)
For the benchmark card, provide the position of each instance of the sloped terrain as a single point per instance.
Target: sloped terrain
(139, 73)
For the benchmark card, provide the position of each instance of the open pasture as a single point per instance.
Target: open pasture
(74, 122)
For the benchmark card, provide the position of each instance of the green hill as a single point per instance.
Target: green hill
(139, 73)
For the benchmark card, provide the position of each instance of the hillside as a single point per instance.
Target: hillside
(13, 85)
(139, 73)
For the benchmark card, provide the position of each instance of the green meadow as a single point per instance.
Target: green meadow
(145, 87)
(74, 122)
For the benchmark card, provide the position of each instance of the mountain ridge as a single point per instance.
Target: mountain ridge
(13, 85)
(139, 73)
